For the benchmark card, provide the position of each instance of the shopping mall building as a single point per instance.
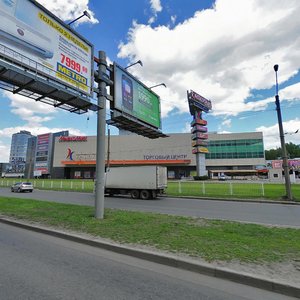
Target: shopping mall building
(234, 154)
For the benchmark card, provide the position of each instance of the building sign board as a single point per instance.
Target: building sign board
(197, 102)
(135, 99)
(72, 139)
(42, 42)
(200, 150)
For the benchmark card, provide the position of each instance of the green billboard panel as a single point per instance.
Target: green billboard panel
(135, 99)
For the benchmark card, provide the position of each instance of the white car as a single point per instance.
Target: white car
(22, 187)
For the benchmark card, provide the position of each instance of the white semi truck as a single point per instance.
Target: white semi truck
(145, 182)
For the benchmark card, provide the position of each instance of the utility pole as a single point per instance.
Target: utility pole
(101, 123)
(282, 141)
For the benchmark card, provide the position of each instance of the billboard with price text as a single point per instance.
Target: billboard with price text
(34, 37)
(135, 99)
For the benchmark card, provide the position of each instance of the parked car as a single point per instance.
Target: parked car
(22, 187)
(222, 178)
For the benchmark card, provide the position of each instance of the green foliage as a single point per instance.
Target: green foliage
(292, 151)
(211, 240)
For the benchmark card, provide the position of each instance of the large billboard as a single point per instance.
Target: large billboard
(135, 99)
(42, 155)
(34, 37)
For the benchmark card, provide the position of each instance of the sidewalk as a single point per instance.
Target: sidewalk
(243, 277)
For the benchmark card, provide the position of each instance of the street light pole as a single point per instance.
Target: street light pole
(137, 62)
(85, 13)
(282, 141)
(101, 124)
(160, 84)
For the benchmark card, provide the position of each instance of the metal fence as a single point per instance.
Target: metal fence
(228, 189)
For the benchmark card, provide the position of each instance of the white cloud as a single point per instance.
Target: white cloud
(6, 134)
(227, 123)
(68, 10)
(156, 6)
(187, 127)
(271, 134)
(221, 53)
(4, 152)
(30, 110)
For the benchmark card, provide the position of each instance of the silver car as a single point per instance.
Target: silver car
(22, 187)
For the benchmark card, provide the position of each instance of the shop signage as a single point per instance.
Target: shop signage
(199, 135)
(197, 102)
(200, 150)
(73, 139)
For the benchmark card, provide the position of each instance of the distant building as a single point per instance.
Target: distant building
(18, 150)
(3, 168)
(234, 154)
(39, 158)
(30, 157)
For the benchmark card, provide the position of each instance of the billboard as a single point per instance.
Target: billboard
(41, 162)
(197, 102)
(40, 41)
(135, 99)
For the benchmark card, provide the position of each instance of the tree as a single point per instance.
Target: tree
(292, 150)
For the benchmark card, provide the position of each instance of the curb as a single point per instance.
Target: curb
(168, 260)
(235, 200)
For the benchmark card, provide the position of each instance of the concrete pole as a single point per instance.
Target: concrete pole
(100, 154)
(289, 195)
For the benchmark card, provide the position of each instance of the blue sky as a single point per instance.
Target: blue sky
(224, 50)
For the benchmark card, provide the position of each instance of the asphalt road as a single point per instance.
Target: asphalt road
(261, 213)
(37, 266)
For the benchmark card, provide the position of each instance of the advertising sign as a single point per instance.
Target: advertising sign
(45, 44)
(199, 135)
(198, 122)
(196, 101)
(72, 139)
(292, 163)
(41, 156)
(134, 98)
(199, 143)
(200, 150)
(199, 128)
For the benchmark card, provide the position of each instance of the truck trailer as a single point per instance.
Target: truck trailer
(144, 182)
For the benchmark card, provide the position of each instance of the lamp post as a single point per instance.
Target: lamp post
(85, 13)
(163, 84)
(282, 141)
(137, 62)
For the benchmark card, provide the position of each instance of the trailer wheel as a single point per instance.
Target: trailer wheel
(145, 194)
(135, 194)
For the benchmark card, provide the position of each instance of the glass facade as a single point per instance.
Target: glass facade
(18, 151)
(248, 148)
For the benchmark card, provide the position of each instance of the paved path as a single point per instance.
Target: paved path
(38, 266)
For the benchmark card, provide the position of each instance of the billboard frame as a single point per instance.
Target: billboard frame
(26, 76)
(126, 112)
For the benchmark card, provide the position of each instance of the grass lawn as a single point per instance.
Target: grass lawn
(231, 189)
(208, 239)
(211, 189)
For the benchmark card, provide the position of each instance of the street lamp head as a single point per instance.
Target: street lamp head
(163, 84)
(87, 14)
(276, 68)
(140, 62)
(137, 62)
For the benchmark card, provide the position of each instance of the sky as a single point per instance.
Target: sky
(224, 50)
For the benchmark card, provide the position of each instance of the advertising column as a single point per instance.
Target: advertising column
(198, 105)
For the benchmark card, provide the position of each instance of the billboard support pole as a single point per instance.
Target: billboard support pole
(101, 123)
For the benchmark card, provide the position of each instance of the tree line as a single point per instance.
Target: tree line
(293, 151)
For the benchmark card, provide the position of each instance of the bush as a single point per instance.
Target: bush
(205, 177)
